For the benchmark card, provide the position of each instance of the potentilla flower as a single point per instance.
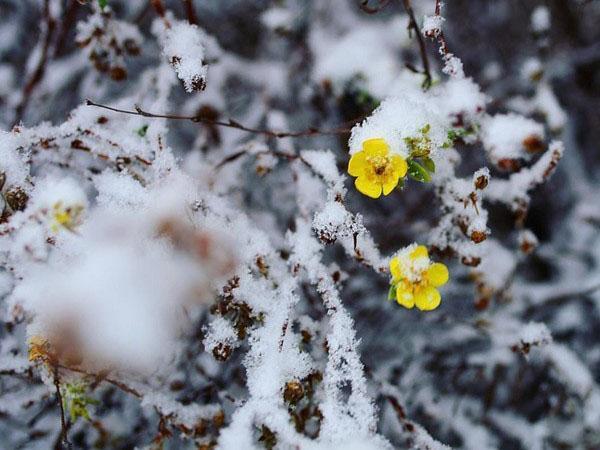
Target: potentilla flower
(415, 278)
(65, 216)
(377, 170)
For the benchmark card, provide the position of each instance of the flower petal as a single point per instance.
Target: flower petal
(427, 298)
(357, 164)
(399, 165)
(437, 274)
(419, 252)
(405, 297)
(376, 147)
(395, 269)
(390, 185)
(368, 188)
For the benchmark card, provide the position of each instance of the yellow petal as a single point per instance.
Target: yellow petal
(427, 298)
(399, 165)
(437, 274)
(368, 188)
(389, 186)
(357, 164)
(395, 269)
(419, 252)
(375, 147)
(405, 297)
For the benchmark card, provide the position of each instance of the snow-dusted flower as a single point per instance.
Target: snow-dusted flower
(375, 169)
(415, 278)
(65, 216)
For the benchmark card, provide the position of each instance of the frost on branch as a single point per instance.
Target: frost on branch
(182, 46)
(107, 41)
(344, 238)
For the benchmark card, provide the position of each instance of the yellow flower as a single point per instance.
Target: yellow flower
(415, 278)
(65, 216)
(376, 169)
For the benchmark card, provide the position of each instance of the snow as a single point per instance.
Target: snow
(209, 267)
(503, 136)
(432, 25)
(540, 19)
(183, 47)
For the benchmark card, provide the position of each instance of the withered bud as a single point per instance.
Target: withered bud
(198, 83)
(263, 267)
(326, 237)
(509, 165)
(219, 419)
(482, 303)
(471, 261)
(261, 171)
(533, 144)
(306, 336)
(478, 236)
(131, 47)
(118, 73)
(293, 391)
(481, 182)
(527, 242)
(16, 198)
(222, 352)
(177, 385)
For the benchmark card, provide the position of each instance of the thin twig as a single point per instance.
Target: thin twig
(63, 421)
(364, 6)
(412, 24)
(229, 124)
(40, 69)
(100, 377)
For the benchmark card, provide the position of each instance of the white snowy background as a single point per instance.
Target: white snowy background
(185, 259)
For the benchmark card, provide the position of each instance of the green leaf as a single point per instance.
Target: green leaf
(429, 165)
(417, 172)
(142, 131)
(76, 401)
(102, 3)
(392, 292)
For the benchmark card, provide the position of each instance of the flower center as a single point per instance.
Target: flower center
(379, 164)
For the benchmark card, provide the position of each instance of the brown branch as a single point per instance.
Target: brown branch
(40, 69)
(161, 11)
(103, 377)
(412, 24)
(67, 21)
(190, 12)
(230, 123)
(364, 6)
